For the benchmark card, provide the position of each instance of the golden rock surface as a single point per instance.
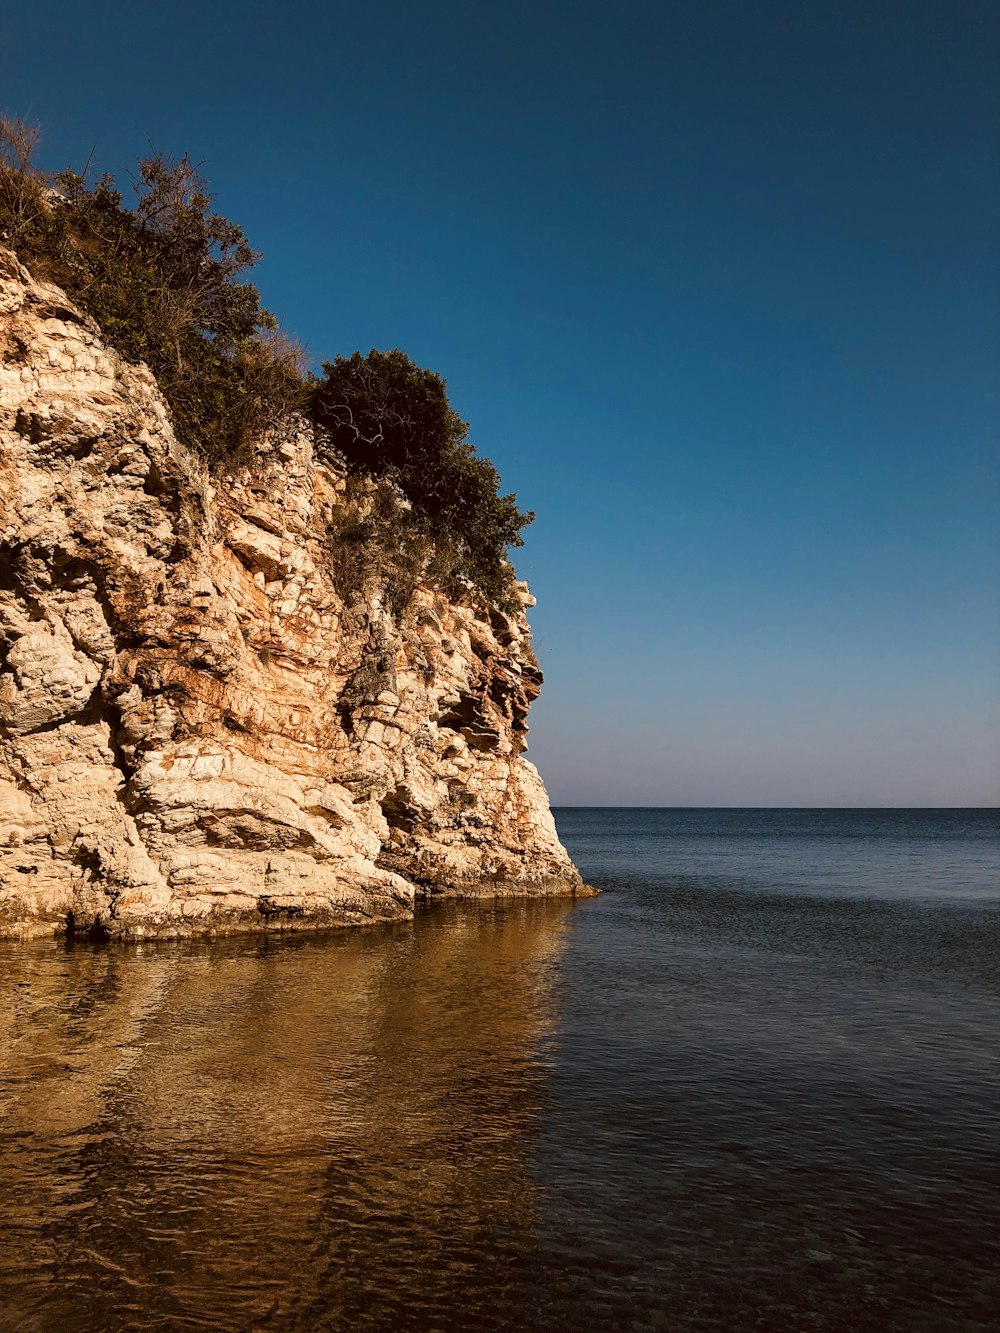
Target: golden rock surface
(197, 732)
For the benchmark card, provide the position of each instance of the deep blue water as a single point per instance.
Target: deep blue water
(879, 854)
(753, 1086)
(780, 1036)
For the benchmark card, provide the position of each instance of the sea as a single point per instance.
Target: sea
(755, 1085)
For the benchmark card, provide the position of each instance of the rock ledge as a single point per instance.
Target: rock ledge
(197, 733)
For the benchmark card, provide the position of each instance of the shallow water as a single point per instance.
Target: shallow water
(753, 1086)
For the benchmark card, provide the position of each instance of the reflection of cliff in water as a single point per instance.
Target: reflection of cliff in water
(307, 1133)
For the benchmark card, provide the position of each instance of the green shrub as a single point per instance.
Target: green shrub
(387, 418)
(163, 277)
(163, 280)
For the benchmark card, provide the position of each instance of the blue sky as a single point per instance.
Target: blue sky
(716, 286)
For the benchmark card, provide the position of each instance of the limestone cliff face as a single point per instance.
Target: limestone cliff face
(197, 732)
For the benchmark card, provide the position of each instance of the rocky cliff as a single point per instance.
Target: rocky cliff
(197, 730)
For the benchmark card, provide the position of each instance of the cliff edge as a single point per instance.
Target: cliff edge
(198, 732)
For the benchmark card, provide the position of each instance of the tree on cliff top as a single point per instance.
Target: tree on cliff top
(163, 280)
(387, 418)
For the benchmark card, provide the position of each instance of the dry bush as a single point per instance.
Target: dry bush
(373, 546)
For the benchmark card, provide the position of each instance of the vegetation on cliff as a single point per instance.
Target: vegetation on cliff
(165, 278)
(388, 419)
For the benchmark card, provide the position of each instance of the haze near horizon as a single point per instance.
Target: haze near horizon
(714, 285)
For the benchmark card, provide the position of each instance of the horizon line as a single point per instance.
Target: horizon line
(563, 806)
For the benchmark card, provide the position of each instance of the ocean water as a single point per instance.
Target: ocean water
(753, 1086)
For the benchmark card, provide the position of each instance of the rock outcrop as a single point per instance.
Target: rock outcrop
(197, 731)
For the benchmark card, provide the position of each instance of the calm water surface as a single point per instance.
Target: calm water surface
(753, 1086)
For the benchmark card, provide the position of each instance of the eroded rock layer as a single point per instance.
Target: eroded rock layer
(197, 731)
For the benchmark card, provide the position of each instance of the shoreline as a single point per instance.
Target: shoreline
(284, 920)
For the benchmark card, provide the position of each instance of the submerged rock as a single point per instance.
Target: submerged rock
(197, 731)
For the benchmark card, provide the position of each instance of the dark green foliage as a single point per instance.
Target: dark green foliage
(162, 278)
(388, 419)
(163, 274)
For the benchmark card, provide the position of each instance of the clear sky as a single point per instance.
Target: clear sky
(716, 285)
